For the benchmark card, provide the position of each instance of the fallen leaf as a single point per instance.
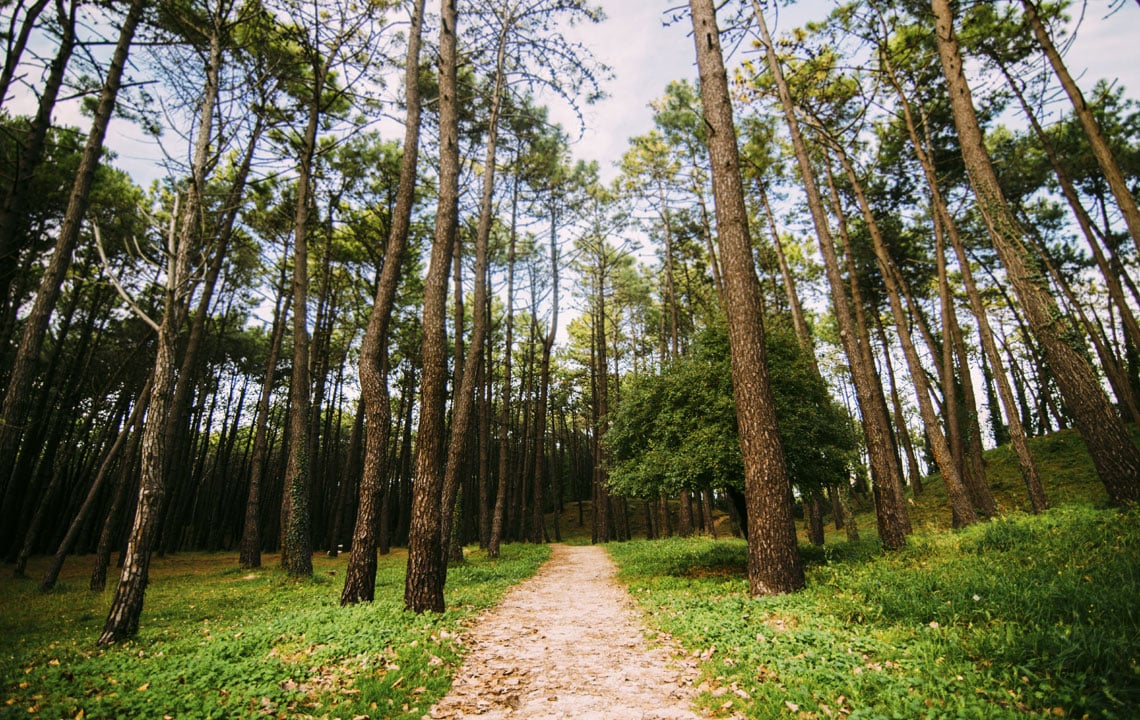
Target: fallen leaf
(792, 706)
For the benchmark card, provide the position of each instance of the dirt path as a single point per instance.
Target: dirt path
(567, 643)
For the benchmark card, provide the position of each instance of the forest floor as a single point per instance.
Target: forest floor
(569, 643)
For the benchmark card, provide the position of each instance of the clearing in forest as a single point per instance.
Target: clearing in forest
(567, 643)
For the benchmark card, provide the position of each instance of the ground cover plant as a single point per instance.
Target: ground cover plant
(1022, 616)
(221, 642)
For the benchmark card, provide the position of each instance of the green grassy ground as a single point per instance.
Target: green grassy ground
(1022, 616)
(1025, 616)
(220, 642)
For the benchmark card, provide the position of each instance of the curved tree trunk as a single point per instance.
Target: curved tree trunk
(17, 396)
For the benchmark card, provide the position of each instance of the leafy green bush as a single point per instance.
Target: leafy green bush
(217, 642)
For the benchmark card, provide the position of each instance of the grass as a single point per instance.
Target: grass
(220, 642)
(1024, 616)
(1021, 616)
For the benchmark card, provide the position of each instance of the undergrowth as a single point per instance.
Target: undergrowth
(219, 642)
(1026, 616)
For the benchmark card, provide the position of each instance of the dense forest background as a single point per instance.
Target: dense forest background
(339, 322)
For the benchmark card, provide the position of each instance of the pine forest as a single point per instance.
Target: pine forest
(396, 359)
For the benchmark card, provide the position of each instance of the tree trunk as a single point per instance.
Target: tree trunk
(803, 334)
(540, 464)
(360, 575)
(774, 563)
(890, 511)
(965, 406)
(126, 607)
(902, 431)
(1115, 456)
(1099, 144)
(297, 547)
(250, 555)
(423, 589)
(961, 507)
(123, 485)
(464, 400)
(504, 409)
(1026, 464)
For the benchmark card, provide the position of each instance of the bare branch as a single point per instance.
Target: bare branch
(114, 281)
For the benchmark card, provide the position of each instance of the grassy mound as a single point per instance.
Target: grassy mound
(220, 642)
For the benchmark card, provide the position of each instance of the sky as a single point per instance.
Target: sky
(645, 54)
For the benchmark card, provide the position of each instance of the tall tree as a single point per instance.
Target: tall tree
(17, 396)
(331, 39)
(1115, 456)
(423, 588)
(774, 563)
(944, 225)
(360, 575)
(126, 607)
(891, 514)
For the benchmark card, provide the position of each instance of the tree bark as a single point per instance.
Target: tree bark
(423, 589)
(774, 563)
(126, 607)
(464, 401)
(360, 575)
